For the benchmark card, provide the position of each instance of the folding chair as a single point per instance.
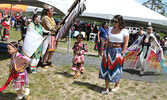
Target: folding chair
(84, 34)
(92, 37)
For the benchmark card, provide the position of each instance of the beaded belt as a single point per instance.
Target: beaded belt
(115, 45)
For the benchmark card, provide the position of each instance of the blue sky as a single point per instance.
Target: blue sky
(141, 1)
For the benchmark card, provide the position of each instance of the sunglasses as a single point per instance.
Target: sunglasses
(115, 21)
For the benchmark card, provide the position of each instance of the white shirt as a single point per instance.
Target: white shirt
(166, 44)
(118, 38)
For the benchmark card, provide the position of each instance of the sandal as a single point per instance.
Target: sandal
(115, 89)
(26, 94)
(19, 97)
(105, 92)
(45, 66)
(50, 64)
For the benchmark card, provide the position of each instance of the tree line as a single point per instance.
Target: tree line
(157, 5)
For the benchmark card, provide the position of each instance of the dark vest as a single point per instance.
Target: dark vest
(145, 44)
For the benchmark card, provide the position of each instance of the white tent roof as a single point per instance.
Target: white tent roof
(31, 9)
(104, 9)
(130, 9)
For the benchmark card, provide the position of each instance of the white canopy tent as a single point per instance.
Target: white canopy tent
(134, 13)
(31, 9)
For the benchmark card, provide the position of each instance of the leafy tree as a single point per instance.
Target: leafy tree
(155, 5)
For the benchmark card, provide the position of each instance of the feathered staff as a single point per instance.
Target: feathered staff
(76, 9)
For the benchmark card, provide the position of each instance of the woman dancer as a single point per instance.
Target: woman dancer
(112, 61)
(145, 52)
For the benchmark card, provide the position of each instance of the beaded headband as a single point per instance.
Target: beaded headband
(12, 45)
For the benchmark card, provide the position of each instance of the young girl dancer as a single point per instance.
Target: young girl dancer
(17, 67)
(78, 49)
(6, 25)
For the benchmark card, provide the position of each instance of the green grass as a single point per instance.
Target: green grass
(14, 35)
(58, 83)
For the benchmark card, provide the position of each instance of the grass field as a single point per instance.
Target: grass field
(58, 83)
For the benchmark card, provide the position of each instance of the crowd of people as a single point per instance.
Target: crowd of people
(112, 42)
(15, 21)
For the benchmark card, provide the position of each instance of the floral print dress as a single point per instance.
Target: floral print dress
(79, 49)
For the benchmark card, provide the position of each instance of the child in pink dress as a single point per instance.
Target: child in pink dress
(78, 49)
(17, 67)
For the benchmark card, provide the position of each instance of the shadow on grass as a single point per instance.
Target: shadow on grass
(136, 72)
(62, 41)
(91, 55)
(4, 51)
(89, 86)
(7, 96)
(4, 55)
(65, 74)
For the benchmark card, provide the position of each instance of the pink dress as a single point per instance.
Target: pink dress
(78, 60)
(20, 79)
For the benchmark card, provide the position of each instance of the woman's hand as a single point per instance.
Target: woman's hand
(123, 53)
(98, 40)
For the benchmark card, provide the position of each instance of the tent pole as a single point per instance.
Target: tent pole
(69, 40)
(11, 7)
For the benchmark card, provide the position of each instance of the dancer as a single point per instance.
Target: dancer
(102, 37)
(6, 25)
(49, 45)
(79, 49)
(140, 32)
(112, 61)
(18, 73)
(145, 52)
(36, 26)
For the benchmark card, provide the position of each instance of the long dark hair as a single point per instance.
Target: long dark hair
(104, 23)
(80, 35)
(44, 11)
(120, 21)
(34, 16)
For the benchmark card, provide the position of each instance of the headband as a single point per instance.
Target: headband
(12, 45)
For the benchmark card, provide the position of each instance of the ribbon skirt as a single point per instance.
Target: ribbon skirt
(111, 65)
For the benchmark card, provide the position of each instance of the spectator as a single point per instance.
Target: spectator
(23, 30)
(102, 38)
(88, 31)
(13, 21)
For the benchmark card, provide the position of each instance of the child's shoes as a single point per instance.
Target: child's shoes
(19, 97)
(76, 75)
(26, 93)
